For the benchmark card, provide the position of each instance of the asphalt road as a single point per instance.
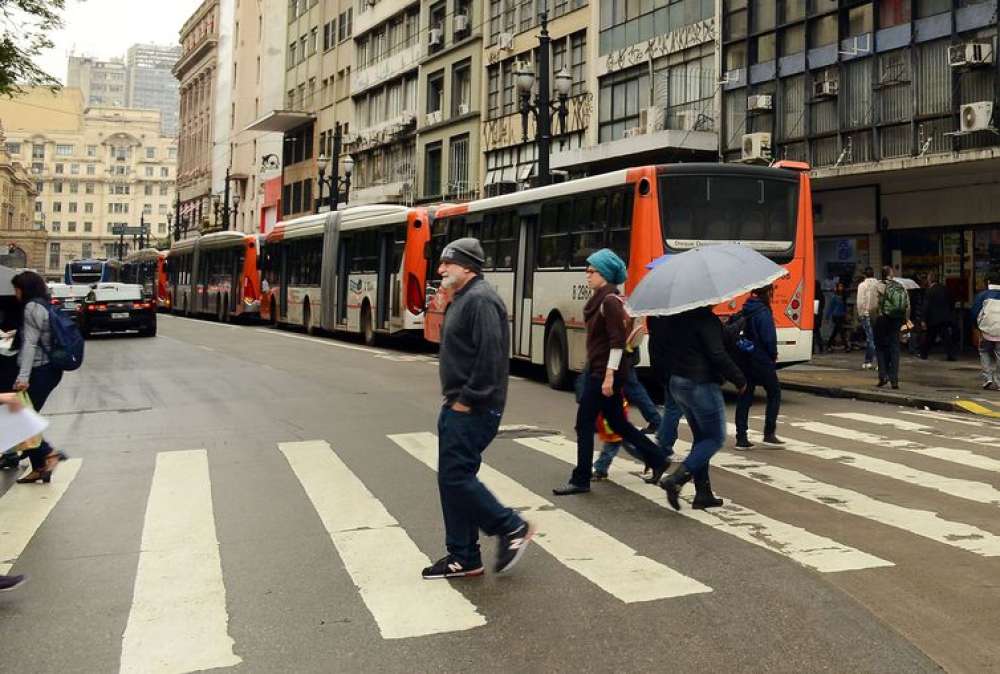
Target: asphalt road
(249, 499)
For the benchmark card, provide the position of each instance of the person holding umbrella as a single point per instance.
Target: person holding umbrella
(684, 290)
(608, 330)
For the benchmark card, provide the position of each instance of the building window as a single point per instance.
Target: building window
(72, 207)
(13, 148)
(526, 15)
(91, 150)
(60, 168)
(164, 190)
(291, 54)
(148, 190)
(88, 226)
(64, 150)
(57, 207)
(345, 25)
(56, 226)
(435, 91)
(164, 172)
(74, 169)
(53, 256)
(71, 226)
(313, 41)
(493, 92)
(509, 98)
(150, 153)
(893, 13)
(87, 250)
(823, 31)
(147, 209)
(622, 96)
(88, 207)
(461, 88)
(437, 17)
(89, 188)
(38, 151)
(496, 7)
(458, 165)
(927, 8)
(624, 23)
(432, 170)
(57, 186)
(91, 169)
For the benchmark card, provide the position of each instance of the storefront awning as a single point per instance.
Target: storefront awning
(280, 121)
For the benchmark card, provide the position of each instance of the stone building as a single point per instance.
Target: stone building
(24, 240)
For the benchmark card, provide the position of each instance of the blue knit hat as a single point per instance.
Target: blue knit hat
(608, 265)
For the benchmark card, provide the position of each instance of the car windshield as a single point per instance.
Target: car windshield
(116, 293)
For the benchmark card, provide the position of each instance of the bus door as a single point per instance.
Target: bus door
(386, 276)
(343, 267)
(524, 277)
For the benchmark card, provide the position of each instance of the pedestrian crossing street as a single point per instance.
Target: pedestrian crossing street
(179, 593)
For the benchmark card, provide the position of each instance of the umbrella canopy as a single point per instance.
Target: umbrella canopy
(702, 277)
(908, 284)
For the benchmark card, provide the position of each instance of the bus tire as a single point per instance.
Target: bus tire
(367, 326)
(220, 310)
(557, 357)
(274, 310)
(307, 318)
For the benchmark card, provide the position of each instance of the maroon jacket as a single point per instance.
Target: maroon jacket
(606, 329)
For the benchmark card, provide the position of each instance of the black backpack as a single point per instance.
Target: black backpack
(66, 348)
(736, 335)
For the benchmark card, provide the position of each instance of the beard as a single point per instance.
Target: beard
(449, 282)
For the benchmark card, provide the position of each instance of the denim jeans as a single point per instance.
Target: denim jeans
(705, 411)
(594, 402)
(42, 383)
(989, 358)
(666, 435)
(764, 375)
(609, 452)
(467, 504)
(636, 394)
(866, 324)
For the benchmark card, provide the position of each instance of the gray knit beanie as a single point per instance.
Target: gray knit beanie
(467, 252)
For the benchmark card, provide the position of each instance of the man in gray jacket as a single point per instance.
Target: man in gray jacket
(474, 368)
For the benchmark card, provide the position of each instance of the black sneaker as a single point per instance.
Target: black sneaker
(512, 546)
(743, 443)
(449, 567)
(599, 475)
(8, 583)
(650, 429)
(773, 440)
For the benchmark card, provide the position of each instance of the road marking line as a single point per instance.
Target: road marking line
(920, 522)
(382, 560)
(25, 507)
(976, 408)
(981, 492)
(327, 342)
(802, 546)
(178, 621)
(951, 418)
(200, 321)
(902, 425)
(960, 456)
(600, 558)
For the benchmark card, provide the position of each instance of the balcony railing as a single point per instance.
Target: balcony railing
(387, 68)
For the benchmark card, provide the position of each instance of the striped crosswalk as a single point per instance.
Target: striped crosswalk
(179, 595)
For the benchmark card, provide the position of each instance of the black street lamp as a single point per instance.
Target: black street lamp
(334, 182)
(543, 107)
(223, 211)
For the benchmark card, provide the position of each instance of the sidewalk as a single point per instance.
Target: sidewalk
(933, 383)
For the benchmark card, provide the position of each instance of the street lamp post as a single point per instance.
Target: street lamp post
(334, 182)
(543, 107)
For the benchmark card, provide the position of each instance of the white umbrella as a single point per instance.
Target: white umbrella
(908, 284)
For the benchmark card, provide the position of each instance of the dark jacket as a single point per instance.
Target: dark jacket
(605, 317)
(837, 307)
(938, 305)
(475, 348)
(690, 346)
(761, 331)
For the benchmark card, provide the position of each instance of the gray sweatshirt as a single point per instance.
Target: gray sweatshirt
(475, 348)
(36, 332)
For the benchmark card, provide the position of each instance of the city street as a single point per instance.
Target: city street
(258, 500)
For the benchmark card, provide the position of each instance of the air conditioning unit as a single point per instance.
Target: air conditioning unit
(760, 103)
(506, 41)
(461, 23)
(756, 146)
(433, 118)
(435, 37)
(500, 187)
(634, 132)
(977, 116)
(463, 108)
(407, 117)
(825, 88)
(686, 119)
(970, 54)
(652, 119)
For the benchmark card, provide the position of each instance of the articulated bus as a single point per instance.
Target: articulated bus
(359, 270)
(148, 268)
(537, 242)
(215, 275)
(85, 272)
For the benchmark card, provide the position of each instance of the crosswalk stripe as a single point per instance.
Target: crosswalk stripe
(902, 425)
(970, 490)
(25, 508)
(608, 563)
(920, 522)
(802, 546)
(960, 456)
(382, 560)
(178, 621)
(963, 419)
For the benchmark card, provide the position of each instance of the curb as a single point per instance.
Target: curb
(890, 398)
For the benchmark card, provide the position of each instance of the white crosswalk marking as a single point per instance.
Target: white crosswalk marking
(960, 456)
(902, 425)
(381, 558)
(608, 563)
(25, 508)
(802, 546)
(963, 419)
(178, 621)
(920, 522)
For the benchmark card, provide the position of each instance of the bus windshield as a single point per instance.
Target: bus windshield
(706, 209)
(85, 272)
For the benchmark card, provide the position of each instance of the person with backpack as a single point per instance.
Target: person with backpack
(986, 312)
(894, 310)
(759, 366)
(38, 374)
(869, 291)
(608, 331)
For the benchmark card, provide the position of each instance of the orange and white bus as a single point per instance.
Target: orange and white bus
(537, 242)
(359, 270)
(148, 268)
(215, 275)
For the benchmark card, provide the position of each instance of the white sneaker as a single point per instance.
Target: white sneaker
(866, 366)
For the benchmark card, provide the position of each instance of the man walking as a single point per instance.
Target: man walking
(474, 368)
(760, 368)
(867, 306)
(893, 309)
(937, 319)
(986, 313)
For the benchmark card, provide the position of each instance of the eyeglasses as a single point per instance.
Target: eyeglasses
(589, 270)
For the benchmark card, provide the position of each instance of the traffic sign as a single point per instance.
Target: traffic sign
(124, 230)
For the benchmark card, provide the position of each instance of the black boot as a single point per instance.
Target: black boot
(672, 485)
(703, 496)
(654, 478)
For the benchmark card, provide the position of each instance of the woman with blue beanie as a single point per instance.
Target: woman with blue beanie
(607, 334)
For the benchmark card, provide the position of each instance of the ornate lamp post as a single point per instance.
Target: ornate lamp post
(334, 182)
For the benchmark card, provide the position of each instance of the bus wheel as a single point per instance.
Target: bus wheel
(220, 312)
(367, 327)
(557, 357)
(307, 318)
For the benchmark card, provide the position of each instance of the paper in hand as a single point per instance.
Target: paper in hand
(16, 427)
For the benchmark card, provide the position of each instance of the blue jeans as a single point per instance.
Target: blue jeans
(705, 411)
(636, 394)
(666, 435)
(989, 358)
(467, 504)
(866, 324)
(609, 452)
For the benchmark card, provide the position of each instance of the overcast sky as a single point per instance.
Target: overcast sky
(106, 28)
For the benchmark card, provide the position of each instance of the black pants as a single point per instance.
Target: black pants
(839, 330)
(594, 402)
(42, 383)
(759, 374)
(946, 331)
(887, 348)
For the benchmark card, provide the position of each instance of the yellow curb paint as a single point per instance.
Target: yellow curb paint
(976, 408)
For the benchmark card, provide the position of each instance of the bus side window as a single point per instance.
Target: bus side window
(507, 232)
(553, 239)
(586, 238)
(620, 222)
